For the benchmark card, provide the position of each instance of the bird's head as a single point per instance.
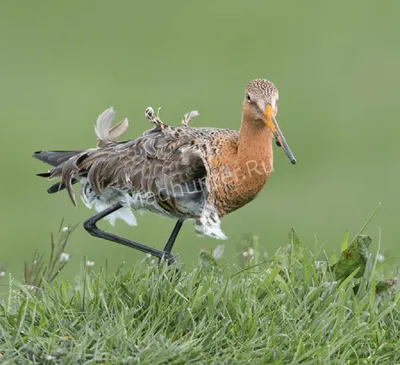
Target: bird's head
(260, 106)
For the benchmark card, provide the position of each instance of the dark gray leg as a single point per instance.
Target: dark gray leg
(90, 226)
(172, 238)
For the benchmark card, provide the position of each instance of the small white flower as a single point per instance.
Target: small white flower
(329, 283)
(245, 254)
(64, 257)
(2, 274)
(89, 263)
(152, 262)
(149, 256)
(50, 357)
(65, 229)
(251, 251)
(380, 257)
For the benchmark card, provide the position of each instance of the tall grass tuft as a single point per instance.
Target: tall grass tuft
(288, 308)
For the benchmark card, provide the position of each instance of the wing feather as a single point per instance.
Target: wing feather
(165, 159)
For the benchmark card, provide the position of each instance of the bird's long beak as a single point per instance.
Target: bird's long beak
(270, 122)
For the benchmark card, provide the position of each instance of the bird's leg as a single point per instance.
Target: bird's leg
(172, 237)
(90, 226)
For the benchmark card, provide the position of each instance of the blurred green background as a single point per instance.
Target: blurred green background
(336, 65)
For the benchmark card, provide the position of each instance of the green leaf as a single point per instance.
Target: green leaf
(218, 252)
(345, 240)
(354, 257)
(293, 238)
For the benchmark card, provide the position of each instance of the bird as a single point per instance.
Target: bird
(186, 173)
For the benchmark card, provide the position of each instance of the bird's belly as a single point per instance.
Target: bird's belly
(238, 202)
(179, 207)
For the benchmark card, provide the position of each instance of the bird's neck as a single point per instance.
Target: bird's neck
(242, 167)
(254, 153)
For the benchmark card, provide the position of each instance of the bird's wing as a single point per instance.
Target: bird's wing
(167, 162)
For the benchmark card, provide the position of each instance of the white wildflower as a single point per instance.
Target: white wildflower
(64, 257)
(251, 251)
(245, 254)
(2, 274)
(380, 257)
(320, 264)
(64, 229)
(329, 283)
(50, 357)
(89, 263)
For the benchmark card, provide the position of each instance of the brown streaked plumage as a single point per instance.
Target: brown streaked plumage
(180, 172)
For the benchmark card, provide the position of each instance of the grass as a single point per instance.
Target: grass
(290, 308)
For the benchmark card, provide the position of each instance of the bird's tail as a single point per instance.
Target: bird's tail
(55, 159)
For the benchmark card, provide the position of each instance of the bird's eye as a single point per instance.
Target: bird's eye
(248, 98)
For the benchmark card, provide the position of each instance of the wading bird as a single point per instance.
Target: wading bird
(200, 174)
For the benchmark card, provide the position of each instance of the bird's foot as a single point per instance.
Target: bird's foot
(167, 257)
